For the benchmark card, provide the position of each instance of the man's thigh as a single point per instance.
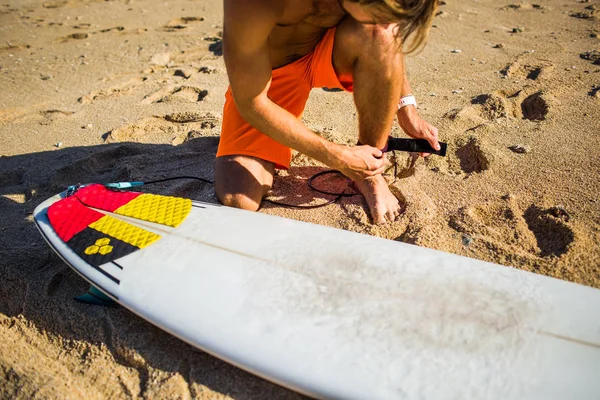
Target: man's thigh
(242, 181)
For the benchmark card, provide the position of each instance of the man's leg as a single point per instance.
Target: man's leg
(242, 181)
(368, 55)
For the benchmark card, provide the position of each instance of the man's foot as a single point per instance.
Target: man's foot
(382, 203)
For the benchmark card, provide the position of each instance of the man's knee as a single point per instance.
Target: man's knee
(242, 181)
(239, 200)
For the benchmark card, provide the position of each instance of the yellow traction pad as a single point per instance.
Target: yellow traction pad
(125, 232)
(164, 210)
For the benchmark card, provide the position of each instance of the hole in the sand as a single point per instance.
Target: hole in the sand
(551, 232)
(216, 48)
(78, 36)
(480, 99)
(472, 157)
(173, 28)
(535, 107)
(534, 74)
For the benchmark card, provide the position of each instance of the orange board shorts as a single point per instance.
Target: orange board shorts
(290, 87)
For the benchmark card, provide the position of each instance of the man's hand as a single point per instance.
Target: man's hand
(360, 162)
(416, 127)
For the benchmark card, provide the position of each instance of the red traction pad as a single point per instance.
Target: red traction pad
(69, 217)
(98, 196)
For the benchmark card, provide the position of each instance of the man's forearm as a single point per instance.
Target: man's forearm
(406, 89)
(409, 111)
(285, 128)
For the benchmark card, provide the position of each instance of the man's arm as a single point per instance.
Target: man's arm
(245, 48)
(412, 124)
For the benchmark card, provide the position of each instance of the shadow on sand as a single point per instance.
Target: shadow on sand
(36, 284)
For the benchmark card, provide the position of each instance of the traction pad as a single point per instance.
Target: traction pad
(164, 210)
(99, 238)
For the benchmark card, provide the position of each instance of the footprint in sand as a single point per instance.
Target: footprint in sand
(475, 152)
(535, 107)
(497, 229)
(51, 116)
(206, 120)
(118, 90)
(523, 104)
(591, 12)
(483, 109)
(44, 117)
(551, 229)
(14, 47)
(180, 94)
(179, 24)
(472, 155)
(511, 236)
(175, 128)
(524, 68)
(493, 105)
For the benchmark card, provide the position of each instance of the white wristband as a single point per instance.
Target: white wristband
(407, 101)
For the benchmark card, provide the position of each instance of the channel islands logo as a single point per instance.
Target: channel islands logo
(102, 247)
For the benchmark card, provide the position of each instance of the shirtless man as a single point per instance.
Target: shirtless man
(276, 51)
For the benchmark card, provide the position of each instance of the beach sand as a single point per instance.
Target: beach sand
(133, 90)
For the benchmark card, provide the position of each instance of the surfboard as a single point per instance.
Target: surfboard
(327, 312)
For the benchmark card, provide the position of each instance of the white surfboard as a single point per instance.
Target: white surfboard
(331, 313)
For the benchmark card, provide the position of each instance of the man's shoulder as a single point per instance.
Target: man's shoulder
(285, 12)
(253, 8)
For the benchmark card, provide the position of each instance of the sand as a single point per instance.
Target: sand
(125, 89)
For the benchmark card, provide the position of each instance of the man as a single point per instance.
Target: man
(277, 50)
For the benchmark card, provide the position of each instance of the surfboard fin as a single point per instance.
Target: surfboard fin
(95, 297)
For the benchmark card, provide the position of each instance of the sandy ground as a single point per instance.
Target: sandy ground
(129, 89)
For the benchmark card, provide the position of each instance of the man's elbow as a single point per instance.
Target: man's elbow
(248, 107)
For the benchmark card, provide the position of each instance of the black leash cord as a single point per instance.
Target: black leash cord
(305, 207)
(338, 196)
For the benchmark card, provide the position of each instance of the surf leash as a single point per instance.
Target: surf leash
(394, 144)
(415, 146)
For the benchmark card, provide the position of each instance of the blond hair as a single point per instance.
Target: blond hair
(414, 18)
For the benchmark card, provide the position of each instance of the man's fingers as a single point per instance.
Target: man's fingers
(379, 170)
(378, 166)
(376, 152)
(432, 138)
